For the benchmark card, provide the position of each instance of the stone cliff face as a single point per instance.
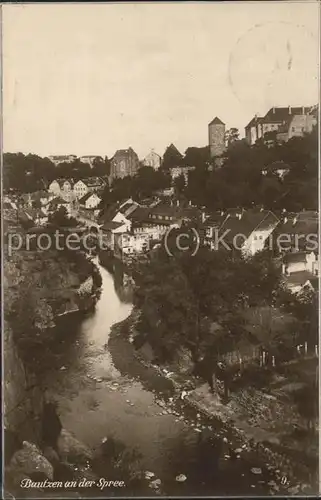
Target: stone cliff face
(21, 396)
(38, 287)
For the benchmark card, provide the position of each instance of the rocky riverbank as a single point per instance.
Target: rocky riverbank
(53, 468)
(40, 288)
(291, 475)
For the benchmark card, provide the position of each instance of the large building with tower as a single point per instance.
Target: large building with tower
(216, 137)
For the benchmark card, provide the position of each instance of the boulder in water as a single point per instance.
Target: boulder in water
(30, 460)
(256, 470)
(71, 449)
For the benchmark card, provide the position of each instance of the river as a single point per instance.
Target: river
(97, 400)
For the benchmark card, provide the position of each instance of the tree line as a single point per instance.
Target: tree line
(29, 173)
(215, 303)
(275, 176)
(268, 174)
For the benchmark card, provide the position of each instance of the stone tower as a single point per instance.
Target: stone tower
(216, 137)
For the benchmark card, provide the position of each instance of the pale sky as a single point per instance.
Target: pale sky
(93, 78)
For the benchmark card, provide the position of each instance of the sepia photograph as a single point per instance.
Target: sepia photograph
(160, 228)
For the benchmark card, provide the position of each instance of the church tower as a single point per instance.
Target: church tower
(216, 137)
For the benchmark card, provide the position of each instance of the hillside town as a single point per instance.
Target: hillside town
(246, 210)
(160, 205)
(131, 226)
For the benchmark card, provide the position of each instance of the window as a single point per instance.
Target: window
(293, 129)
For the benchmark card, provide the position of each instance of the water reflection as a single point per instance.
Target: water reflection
(106, 393)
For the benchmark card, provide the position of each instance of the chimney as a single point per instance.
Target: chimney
(273, 110)
(285, 220)
(289, 110)
(295, 220)
(190, 203)
(203, 217)
(303, 110)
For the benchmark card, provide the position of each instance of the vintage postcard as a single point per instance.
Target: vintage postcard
(161, 252)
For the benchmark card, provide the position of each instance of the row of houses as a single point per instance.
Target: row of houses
(35, 207)
(71, 190)
(131, 229)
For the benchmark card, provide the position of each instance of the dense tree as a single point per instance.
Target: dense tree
(101, 167)
(211, 287)
(231, 135)
(197, 157)
(26, 173)
(144, 184)
(240, 181)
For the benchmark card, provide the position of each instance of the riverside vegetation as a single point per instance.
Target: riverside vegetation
(218, 319)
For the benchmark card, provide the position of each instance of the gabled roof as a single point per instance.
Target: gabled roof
(87, 196)
(124, 152)
(174, 149)
(250, 221)
(139, 215)
(308, 215)
(216, 121)
(58, 201)
(93, 182)
(61, 181)
(313, 282)
(279, 115)
(301, 234)
(152, 153)
(110, 225)
(255, 121)
(294, 257)
(298, 279)
(215, 219)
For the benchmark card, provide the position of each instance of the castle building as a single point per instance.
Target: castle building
(285, 122)
(216, 137)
